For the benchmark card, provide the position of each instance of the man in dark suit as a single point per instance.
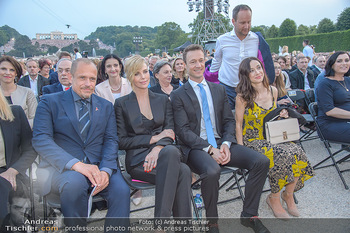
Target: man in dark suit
(75, 134)
(205, 128)
(302, 78)
(65, 78)
(319, 65)
(54, 75)
(34, 80)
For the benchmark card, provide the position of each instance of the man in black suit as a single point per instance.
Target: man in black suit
(319, 64)
(302, 78)
(54, 75)
(64, 76)
(34, 80)
(205, 128)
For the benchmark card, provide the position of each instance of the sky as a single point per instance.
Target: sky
(29, 17)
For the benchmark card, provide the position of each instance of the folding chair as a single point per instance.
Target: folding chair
(301, 96)
(314, 110)
(133, 185)
(235, 172)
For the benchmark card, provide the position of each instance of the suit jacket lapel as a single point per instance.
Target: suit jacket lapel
(214, 95)
(155, 105)
(69, 107)
(95, 114)
(190, 92)
(134, 114)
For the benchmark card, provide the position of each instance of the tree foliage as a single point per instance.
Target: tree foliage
(287, 28)
(272, 32)
(343, 21)
(259, 29)
(23, 45)
(303, 30)
(325, 25)
(170, 35)
(7, 33)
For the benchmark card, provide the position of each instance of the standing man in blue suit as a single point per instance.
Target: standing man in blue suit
(64, 76)
(75, 134)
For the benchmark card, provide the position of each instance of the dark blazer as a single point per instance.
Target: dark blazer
(57, 139)
(158, 89)
(17, 136)
(42, 81)
(133, 136)
(315, 70)
(53, 78)
(56, 87)
(297, 79)
(187, 117)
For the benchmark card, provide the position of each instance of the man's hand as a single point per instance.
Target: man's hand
(92, 172)
(226, 154)
(10, 175)
(217, 155)
(104, 183)
(151, 159)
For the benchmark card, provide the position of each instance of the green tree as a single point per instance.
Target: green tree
(169, 34)
(24, 45)
(313, 29)
(343, 21)
(3, 38)
(303, 30)
(272, 32)
(52, 49)
(325, 25)
(287, 28)
(258, 29)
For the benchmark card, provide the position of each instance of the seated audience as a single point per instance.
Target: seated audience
(282, 97)
(16, 154)
(115, 85)
(44, 67)
(64, 77)
(146, 132)
(180, 75)
(289, 166)
(54, 75)
(205, 128)
(302, 77)
(162, 72)
(75, 134)
(10, 69)
(333, 98)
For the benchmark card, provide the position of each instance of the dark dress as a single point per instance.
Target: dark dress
(158, 89)
(333, 94)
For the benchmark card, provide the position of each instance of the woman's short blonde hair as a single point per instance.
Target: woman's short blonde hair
(132, 66)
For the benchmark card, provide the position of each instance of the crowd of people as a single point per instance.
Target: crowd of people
(194, 113)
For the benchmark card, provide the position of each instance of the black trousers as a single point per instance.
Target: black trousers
(173, 184)
(257, 164)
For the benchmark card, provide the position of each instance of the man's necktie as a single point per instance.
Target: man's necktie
(66, 88)
(84, 119)
(206, 116)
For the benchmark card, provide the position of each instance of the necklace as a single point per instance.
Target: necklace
(166, 92)
(343, 85)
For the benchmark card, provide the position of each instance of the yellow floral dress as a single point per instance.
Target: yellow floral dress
(287, 160)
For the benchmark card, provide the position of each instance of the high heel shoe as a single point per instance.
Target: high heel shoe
(137, 198)
(292, 211)
(280, 215)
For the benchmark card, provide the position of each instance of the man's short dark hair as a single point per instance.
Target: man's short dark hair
(76, 50)
(189, 48)
(239, 8)
(306, 42)
(64, 54)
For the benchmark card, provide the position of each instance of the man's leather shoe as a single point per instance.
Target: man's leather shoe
(255, 224)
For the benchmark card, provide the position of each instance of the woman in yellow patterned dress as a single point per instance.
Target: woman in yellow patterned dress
(289, 166)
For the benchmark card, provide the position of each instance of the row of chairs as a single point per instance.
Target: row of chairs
(51, 202)
(308, 97)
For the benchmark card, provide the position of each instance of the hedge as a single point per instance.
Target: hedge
(323, 42)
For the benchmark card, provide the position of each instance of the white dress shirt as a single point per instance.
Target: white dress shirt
(230, 51)
(34, 85)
